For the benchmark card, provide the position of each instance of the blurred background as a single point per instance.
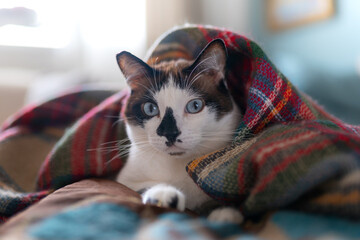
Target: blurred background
(47, 47)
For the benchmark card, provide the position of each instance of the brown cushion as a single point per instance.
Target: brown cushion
(80, 193)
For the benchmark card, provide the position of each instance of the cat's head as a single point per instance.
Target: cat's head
(180, 108)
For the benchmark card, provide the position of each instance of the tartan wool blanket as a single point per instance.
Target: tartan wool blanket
(288, 153)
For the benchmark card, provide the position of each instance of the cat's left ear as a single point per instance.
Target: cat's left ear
(212, 59)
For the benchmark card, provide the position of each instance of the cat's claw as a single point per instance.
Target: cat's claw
(164, 196)
(226, 215)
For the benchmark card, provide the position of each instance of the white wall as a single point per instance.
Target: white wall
(164, 14)
(231, 14)
(104, 28)
(99, 30)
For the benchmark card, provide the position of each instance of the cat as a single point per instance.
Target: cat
(177, 111)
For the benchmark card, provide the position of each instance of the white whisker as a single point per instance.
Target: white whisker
(197, 76)
(198, 65)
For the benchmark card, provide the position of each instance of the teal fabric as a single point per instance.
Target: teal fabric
(297, 225)
(103, 221)
(181, 226)
(107, 221)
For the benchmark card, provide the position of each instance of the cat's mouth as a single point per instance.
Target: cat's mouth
(176, 153)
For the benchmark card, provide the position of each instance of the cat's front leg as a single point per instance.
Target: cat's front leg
(164, 195)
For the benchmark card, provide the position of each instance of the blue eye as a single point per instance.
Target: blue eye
(195, 106)
(150, 109)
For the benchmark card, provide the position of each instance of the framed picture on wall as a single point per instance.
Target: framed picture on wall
(286, 14)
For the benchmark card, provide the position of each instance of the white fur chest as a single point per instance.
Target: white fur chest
(145, 169)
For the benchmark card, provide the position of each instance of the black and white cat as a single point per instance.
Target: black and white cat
(177, 111)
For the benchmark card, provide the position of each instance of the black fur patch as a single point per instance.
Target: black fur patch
(134, 112)
(168, 128)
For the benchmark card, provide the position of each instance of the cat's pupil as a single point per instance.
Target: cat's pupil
(196, 105)
(152, 108)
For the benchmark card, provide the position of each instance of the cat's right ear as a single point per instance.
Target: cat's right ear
(133, 68)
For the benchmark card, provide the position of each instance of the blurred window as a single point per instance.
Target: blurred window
(35, 23)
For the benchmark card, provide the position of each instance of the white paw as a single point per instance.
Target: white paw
(164, 196)
(226, 215)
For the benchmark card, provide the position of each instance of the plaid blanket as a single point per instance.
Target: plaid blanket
(288, 153)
